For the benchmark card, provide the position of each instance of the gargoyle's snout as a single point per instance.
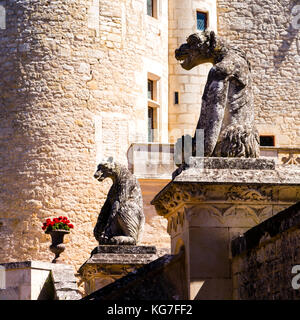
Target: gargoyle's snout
(99, 175)
(178, 54)
(182, 50)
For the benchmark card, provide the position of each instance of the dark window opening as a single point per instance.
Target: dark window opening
(176, 97)
(150, 89)
(150, 8)
(267, 141)
(150, 124)
(201, 21)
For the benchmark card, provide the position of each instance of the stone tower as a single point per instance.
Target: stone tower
(186, 87)
(73, 89)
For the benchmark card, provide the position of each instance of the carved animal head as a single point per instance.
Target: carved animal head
(106, 169)
(199, 48)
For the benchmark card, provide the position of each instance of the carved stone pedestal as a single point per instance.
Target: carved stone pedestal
(111, 262)
(214, 200)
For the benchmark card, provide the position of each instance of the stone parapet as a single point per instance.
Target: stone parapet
(272, 227)
(38, 280)
(266, 259)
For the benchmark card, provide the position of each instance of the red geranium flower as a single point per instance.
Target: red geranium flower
(60, 223)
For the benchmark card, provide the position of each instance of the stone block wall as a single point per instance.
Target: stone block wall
(263, 258)
(36, 280)
(268, 31)
(183, 117)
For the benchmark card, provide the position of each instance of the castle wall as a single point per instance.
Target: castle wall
(266, 259)
(269, 32)
(183, 117)
(73, 89)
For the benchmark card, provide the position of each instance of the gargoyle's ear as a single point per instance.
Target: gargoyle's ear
(212, 39)
(110, 159)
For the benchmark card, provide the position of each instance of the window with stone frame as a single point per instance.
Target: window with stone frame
(153, 107)
(152, 6)
(150, 124)
(176, 97)
(202, 20)
(267, 141)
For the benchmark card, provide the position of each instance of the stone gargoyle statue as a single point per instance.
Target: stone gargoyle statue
(227, 111)
(121, 219)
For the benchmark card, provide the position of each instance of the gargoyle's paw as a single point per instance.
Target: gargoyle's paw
(103, 239)
(122, 240)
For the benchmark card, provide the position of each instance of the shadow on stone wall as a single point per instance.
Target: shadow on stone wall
(162, 279)
(287, 41)
(289, 37)
(265, 256)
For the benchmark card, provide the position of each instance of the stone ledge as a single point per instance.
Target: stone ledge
(282, 221)
(238, 171)
(128, 259)
(115, 249)
(30, 264)
(110, 255)
(232, 163)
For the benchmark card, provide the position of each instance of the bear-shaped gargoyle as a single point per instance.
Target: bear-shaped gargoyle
(227, 111)
(121, 219)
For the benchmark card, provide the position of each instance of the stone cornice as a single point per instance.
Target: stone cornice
(199, 183)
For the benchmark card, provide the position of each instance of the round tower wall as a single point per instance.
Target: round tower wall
(73, 89)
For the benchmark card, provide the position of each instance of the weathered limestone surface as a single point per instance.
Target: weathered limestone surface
(264, 256)
(161, 279)
(155, 232)
(64, 65)
(65, 283)
(121, 220)
(153, 165)
(37, 280)
(241, 171)
(111, 262)
(206, 208)
(265, 31)
(183, 116)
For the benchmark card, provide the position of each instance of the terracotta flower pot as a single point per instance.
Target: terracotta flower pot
(57, 246)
